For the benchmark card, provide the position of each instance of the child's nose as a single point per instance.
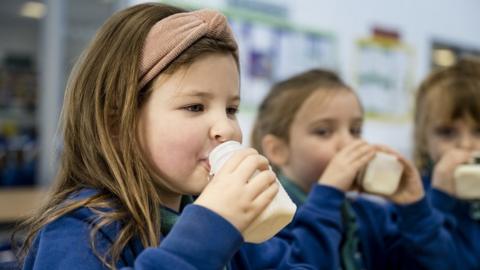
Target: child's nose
(466, 141)
(223, 129)
(344, 139)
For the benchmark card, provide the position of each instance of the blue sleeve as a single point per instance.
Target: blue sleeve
(63, 244)
(446, 204)
(193, 243)
(314, 237)
(310, 242)
(464, 229)
(317, 230)
(425, 240)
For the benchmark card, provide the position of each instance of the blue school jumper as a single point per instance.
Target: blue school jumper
(200, 239)
(389, 236)
(463, 219)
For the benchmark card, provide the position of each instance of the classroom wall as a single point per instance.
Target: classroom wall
(417, 22)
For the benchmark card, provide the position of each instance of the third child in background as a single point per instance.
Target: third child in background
(447, 135)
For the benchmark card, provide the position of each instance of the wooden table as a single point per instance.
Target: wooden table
(18, 203)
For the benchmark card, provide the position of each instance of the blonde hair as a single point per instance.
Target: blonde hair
(101, 149)
(445, 95)
(278, 109)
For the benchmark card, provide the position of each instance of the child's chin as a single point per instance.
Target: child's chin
(202, 182)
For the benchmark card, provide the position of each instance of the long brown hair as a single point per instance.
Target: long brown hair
(446, 95)
(278, 109)
(101, 149)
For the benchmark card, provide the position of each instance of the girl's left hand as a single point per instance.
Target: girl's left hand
(410, 189)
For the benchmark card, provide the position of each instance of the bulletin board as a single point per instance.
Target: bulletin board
(271, 51)
(383, 78)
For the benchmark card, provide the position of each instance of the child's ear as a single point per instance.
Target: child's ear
(275, 149)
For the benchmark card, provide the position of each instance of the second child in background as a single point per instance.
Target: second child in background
(309, 127)
(447, 135)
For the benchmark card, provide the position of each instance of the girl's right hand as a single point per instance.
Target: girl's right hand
(345, 165)
(235, 193)
(445, 168)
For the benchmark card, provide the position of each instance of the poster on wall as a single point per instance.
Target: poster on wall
(383, 76)
(269, 53)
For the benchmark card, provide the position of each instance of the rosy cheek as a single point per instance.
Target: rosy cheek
(318, 163)
(437, 149)
(168, 157)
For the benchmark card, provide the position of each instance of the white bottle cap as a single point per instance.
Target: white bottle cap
(221, 154)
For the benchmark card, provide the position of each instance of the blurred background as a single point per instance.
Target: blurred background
(383, 49)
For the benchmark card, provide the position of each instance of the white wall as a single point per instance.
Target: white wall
(417, 21)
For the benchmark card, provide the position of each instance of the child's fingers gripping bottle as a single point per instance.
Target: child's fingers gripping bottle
(467, 179)
(278, 213)
(382, 175)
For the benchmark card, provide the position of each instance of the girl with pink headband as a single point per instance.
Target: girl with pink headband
(153, 94)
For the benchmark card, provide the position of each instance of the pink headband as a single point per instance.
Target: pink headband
(169, 37)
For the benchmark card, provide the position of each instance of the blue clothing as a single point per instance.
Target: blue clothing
(391, 236)
(463, 224)
(200, 239)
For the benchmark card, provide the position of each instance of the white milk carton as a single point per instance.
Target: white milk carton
(382, 175)
(467, 180)
(278, 213)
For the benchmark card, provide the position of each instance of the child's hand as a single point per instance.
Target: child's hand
(410, 188)
(444, 169)
(344, 166)
(237, 196)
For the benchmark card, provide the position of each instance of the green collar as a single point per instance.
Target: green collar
(294, 191)
(168, 217)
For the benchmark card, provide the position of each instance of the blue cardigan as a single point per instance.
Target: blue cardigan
(463, 223)
(200, 239)
(391, 236)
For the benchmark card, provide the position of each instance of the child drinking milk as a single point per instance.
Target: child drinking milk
(447, 135)
(309, 127)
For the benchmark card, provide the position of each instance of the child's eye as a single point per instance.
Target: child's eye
(232, 110)
(323, 132)
(445, 132)
(356, 132)
(195, 108)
